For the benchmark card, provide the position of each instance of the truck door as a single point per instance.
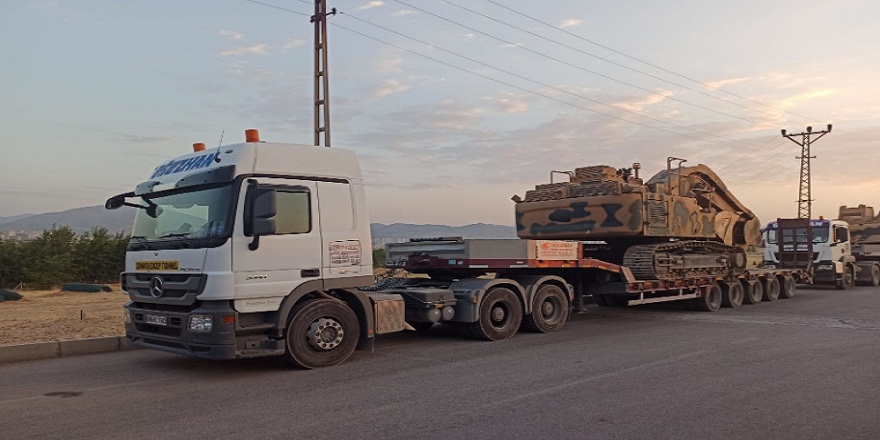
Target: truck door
(292, 255)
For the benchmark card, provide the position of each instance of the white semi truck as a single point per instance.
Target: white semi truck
(260, 249)
(830, 247)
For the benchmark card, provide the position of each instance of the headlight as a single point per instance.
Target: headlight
(201, 323)
(127, 315)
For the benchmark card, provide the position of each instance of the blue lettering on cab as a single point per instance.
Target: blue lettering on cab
(192, 163)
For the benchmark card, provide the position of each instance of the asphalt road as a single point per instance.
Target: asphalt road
(802, 368)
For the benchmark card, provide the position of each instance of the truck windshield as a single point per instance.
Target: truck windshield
(820, 235)
(195, 214)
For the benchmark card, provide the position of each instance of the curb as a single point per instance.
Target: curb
(55, 349)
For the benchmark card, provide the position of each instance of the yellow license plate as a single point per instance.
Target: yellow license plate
(156, 265)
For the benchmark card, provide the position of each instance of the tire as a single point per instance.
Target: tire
(771, 288)
(875, 276)
(321, 333)
(787, 287)
(549, 310)
(753, 292)
(711, 300)
(847, 280)
(421, 326)
(733, 295)
(500, 316)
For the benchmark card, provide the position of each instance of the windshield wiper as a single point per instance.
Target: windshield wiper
(175, 234)
(141, 242)
(184, 242)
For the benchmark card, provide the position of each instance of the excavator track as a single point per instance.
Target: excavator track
(684, 260)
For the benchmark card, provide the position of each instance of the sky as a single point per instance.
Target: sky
(452, 106)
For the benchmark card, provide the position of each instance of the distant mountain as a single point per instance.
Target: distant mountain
(85, 219)
(80, 220)
(4, 220)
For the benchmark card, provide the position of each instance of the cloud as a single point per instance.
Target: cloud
(260, 49)
(230, 34)
(512, 106)
(469, 37)
(717, 84)
(640, 103)
(570, 22)
(389, 65)
(791, 101)
(402, 12)
(390, 87)
(291, 44)
(371, 5)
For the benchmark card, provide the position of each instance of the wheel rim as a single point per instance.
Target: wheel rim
(499, 314)
(550, 309)
(325, 334)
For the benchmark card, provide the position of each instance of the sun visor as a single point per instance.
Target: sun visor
(216, 175)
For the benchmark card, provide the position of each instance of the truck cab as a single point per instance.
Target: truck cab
(832, 262)
(227, 241)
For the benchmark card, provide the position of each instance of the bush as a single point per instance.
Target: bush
(83, 287)
(8, 295)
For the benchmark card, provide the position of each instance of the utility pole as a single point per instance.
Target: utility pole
(322, 82)
(805, 201)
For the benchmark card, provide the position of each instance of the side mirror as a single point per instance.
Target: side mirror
(262, 207)
(115, 202)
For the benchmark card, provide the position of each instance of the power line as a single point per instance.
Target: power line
(518, 76)
(572, 65)
(532, 81)
(646, 62)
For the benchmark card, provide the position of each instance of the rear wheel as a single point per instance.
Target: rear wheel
(321, 333)
(875, 275)
(500, 316)
(771, 288)
(733, 295)
(711, 299)
(754, 290)
(549, 310)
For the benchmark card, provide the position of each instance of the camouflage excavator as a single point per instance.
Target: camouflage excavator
(682, 223)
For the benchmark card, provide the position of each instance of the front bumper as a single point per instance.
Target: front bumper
(222, 342)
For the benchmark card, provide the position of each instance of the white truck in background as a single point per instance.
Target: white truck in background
(833, 261)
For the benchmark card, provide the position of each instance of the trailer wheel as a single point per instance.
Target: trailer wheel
(711, 300)
(549, 310)
(771, 288)
(500, 316)
(847, 280)
(754, 291)
(875, 275)
(733, 295)
(321, 333)
(787, 287)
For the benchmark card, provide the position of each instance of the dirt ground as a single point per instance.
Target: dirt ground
(53, 315)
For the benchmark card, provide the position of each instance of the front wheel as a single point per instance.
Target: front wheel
(847, 279)
(500, 316)
(549, 310)
(321, 333)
